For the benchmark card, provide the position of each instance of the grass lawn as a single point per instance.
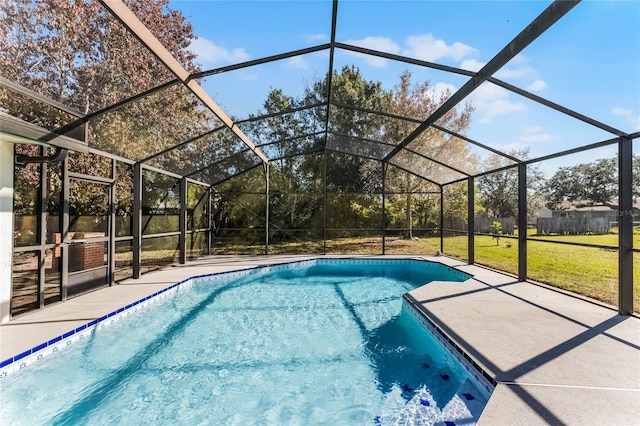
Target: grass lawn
(589, 271)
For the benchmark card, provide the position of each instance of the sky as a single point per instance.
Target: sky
(589, 61)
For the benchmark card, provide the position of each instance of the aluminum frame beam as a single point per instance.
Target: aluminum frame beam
(293, 138)
(206, 167)
(383, 224)
(260, 61)
(334, 45)
(435, 126)
(131, 22)
(471, 220)
(539, 25)
(18, 88)
(493, 80)
(332, 51)
(279, 113)
(113, 107)
(419, 154)
(181, 144)
(439, 185)
(182, 240)
(265, 169)
(400, 58)
(557, 107)
(441, 219)
(16, 130)
(522, 222)
(625, 221)
(136, 222)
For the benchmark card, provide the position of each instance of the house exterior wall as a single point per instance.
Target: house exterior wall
(6, 227)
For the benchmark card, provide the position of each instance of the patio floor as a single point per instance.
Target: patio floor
(558, 359)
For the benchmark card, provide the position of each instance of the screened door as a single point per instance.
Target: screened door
(88, 235)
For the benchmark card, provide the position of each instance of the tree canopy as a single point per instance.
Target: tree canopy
(77, 54)
(362, 123)
(498, 191)
(590, 184)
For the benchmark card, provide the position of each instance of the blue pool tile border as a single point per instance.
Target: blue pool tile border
(22, 360)
(478, 373)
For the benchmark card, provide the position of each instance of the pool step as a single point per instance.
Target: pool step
(420, 409)
(464, 408)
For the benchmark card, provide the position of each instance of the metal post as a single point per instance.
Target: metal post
(522, 222)
(625, 227)
(112, 225)
(384, 211)
(441, 219)
(209, 215)
(266, 212)
(183, 220)
(324, 200)
(137, 219)
(44, 170)
(471, 222)
(64, 236)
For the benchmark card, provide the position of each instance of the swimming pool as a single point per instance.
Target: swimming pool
(314, 342)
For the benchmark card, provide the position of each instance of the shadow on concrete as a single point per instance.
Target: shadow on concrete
(511, 375)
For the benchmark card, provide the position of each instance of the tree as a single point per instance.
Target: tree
(419, 100)
(590, 184)
(76, 53)
(282, 135)
(498, 191)
(354, 131)
(240, 202)
(496, 231)
(350, 88)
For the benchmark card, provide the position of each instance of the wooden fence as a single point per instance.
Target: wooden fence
(573, 225)
(483, 224)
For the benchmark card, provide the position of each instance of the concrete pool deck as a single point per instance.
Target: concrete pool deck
(557, 359)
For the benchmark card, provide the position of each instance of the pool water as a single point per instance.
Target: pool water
(315, 343)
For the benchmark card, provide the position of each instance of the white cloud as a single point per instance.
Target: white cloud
(491, 101)
(298, 62)
(510, 72)
(536, 86)
(621, 111)
(440, 89)
(632, 120)
(519, 59)
(425, 47)
(503, 73)
(532, 134)
(317, 37)
(538, 137)
(381, 44)
(429, 48)
(210, 53)
(472, 65)
(517, 68)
